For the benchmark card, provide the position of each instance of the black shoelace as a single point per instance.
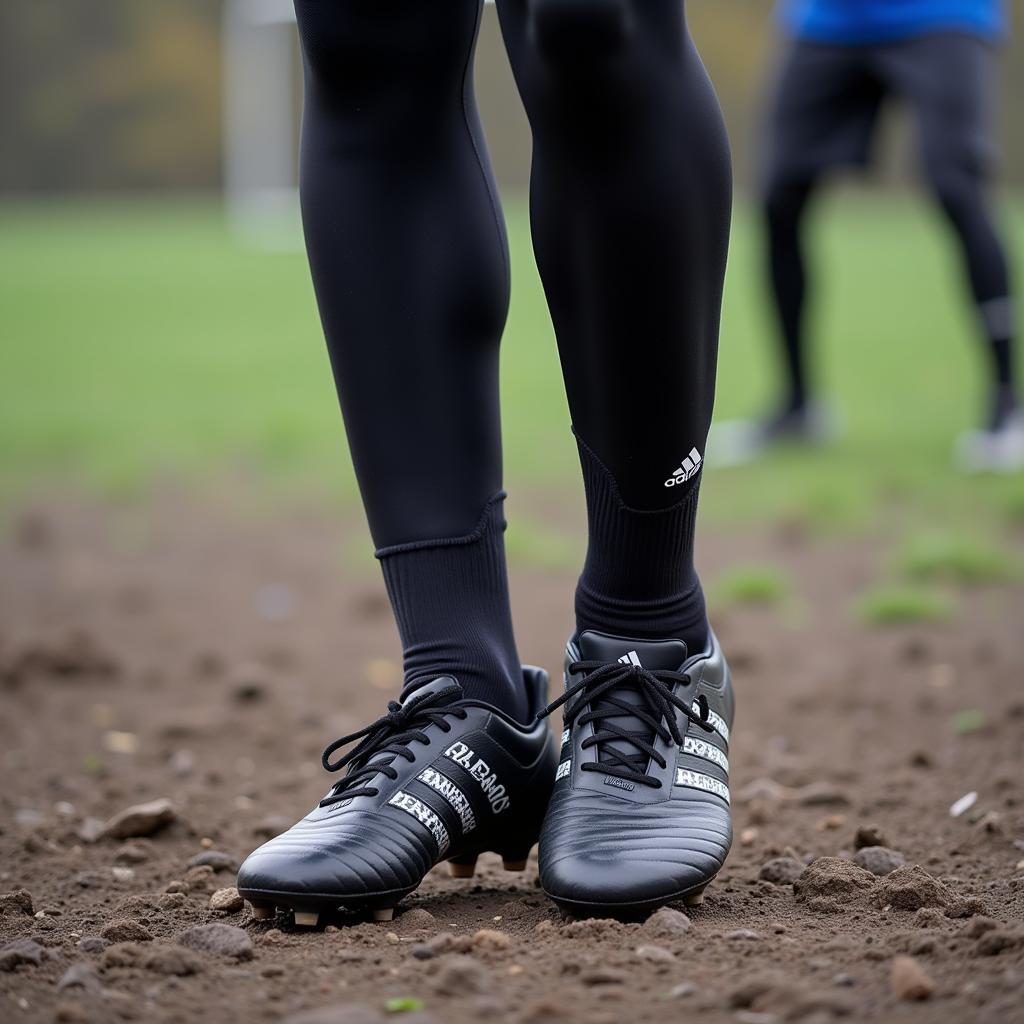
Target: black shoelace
(390, 734)
(595, 691)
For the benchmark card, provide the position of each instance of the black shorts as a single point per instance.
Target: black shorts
(826, 102)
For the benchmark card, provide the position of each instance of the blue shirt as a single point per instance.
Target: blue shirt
(858, 22)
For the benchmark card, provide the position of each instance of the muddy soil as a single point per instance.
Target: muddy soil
(186, 653)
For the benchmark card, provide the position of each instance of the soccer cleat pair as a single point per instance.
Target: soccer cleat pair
(634, 814)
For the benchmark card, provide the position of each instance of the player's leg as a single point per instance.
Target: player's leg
(961, 195)
(630, 199)
(785, 203)
(409, 261)
(408, 256)
(631, 193)
(950, 81)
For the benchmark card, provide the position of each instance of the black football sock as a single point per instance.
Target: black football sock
(638, 580)
(450, 599)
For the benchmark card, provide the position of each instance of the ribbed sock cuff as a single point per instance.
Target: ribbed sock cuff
(638, 579)
(451, 605)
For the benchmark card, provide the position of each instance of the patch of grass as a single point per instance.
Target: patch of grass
(967, 721)
(1013, 504)
(896, 605)
(403, 1004)
(532, 543)
(750, 584)
(957, 558)
(142, 338)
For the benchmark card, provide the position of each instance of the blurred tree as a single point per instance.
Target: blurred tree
(109, 94)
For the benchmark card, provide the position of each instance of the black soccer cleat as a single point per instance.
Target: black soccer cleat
(439, 777)
(640, 812)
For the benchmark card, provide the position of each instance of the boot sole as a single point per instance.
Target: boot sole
(692, 897)
(309, 908)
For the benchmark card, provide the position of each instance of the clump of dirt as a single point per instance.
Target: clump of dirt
(829, 885)
(75, 654)
(910, 888)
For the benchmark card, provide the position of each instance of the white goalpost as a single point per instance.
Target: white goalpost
(260, 182)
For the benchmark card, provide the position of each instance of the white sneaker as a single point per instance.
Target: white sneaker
(993, 451)
(735, 442)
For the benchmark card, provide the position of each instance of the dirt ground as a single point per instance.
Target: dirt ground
(178, 650)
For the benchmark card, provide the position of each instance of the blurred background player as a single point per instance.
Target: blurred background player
(843, 60)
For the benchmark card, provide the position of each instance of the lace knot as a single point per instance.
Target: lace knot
(390, 735)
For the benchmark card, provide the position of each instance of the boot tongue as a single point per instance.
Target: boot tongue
(651, 654)
(654, 654)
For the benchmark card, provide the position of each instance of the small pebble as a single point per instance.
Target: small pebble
(90, 830)
(964, 804)
(92, 943)
(79, 976)
(869, 835)
(781, 870)
(603, 976)
(21, 951)
(910, 981)
(831, 822)
(220, 939)
(132, 853)
(126, 930)
(682, 990)
(666, 923)
(656, 954)
(140, 820)
(227, 900)
(879, 860)
(216, 859)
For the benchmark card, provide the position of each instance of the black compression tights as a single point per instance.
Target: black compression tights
(630, 205)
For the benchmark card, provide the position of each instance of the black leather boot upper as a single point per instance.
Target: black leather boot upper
(640, 812)
(438, 777)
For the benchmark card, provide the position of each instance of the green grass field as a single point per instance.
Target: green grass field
(141, 339)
